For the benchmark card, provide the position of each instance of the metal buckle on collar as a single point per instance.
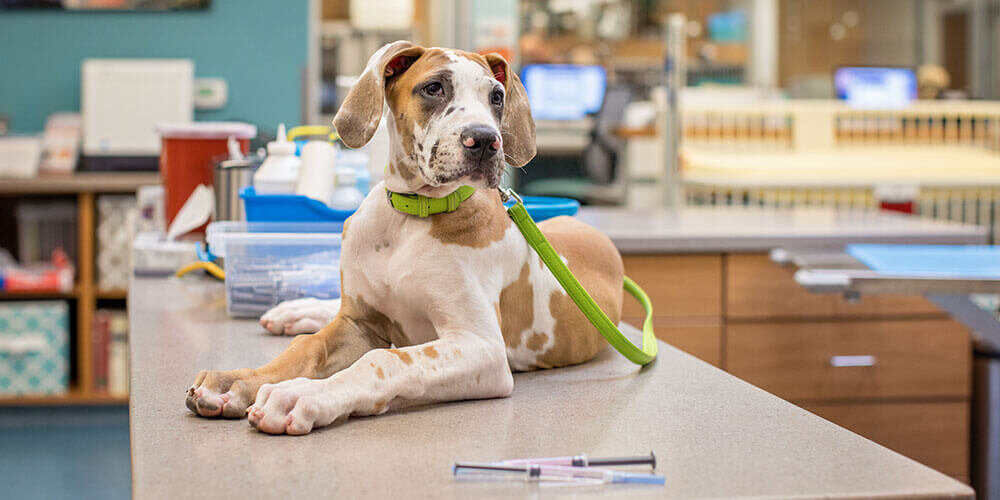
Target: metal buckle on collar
(389, 194)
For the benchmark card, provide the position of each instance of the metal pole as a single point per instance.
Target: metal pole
(676, 79)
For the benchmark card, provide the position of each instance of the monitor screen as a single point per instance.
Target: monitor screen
(563, 91)
(870, 87)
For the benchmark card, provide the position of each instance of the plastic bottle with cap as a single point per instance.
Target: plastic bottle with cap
(318, 174)
(346, 196)
(280, 170)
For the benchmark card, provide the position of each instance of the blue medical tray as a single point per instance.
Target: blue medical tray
(298, 208)
(930, 260)
(547, 207)
(288, 208)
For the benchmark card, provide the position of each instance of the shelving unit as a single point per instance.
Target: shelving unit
(85, 294)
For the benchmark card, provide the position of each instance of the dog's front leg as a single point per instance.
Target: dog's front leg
(228, 393)
(459, 365)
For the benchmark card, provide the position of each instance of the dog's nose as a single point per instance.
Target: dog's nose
(480, 140)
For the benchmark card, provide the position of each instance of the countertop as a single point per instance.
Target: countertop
(745, 229)
(714, 435)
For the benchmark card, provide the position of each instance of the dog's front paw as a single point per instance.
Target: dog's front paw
(221, 393)
(293, 317)
(292, 407)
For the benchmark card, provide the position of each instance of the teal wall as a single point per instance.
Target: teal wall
(258, 46)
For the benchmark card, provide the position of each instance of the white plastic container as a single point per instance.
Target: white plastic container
(317, 174)
(20, 157)
(267, 262)
(280, 170)
(357, 160)
(153, 255)
(346, 196)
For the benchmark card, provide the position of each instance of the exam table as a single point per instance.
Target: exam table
(960, 280)
(714, 435)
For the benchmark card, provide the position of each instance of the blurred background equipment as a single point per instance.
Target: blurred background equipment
(123, 100)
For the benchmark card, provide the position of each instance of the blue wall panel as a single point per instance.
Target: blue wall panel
(258, 46)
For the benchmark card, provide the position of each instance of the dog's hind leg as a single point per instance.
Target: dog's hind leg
(319, 355)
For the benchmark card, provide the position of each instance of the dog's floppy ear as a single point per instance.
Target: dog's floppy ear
(517, 127)
(359, 115)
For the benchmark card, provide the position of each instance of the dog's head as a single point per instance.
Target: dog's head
(454, 116)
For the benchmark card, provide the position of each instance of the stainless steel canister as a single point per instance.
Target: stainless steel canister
(230, 177)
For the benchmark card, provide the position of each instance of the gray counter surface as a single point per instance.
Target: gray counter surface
(739, 229)
(715, 435)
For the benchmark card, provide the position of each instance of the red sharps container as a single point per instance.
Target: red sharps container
(186, 156)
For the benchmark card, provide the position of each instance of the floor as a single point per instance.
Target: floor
(65, 452)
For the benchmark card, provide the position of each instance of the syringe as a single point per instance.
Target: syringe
(583, 460)
(534, 472)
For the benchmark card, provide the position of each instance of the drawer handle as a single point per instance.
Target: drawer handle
(845, 361)
(19, 346)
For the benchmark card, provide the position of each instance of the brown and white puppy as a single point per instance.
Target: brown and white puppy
(432, 309)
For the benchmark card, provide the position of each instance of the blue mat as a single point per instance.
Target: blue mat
(966, 261)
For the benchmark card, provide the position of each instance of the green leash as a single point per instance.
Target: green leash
(423, 206)
(581, 298)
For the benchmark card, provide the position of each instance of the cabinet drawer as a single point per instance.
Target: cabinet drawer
(758, 288)
(681, 285)
(934, 434)
(797, 360)
(702, 341)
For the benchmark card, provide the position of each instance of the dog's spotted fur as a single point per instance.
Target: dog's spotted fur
(433, 309)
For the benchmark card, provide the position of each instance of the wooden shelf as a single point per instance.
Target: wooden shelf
(73, 397)
(37, 295)
(85, 187)
(106, 293)
(81, 182)
(118, 294)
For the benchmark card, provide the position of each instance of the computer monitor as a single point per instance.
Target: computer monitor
(564, 91)
(875, 87)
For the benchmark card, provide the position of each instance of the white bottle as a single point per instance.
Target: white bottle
(347, 196)
(317, 175)
(280, 170)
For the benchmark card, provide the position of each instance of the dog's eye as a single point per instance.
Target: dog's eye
(434, 89)
(496, 98)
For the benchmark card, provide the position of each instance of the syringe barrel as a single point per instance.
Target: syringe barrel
(577, 461)
(563, 473)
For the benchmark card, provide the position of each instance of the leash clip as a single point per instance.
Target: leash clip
(507, 194)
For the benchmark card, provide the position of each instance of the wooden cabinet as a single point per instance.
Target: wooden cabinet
(757, 288)
(680, 286)
(747, 315)
(853, 359)
(934, 434)
(686, 291)
(703, 341)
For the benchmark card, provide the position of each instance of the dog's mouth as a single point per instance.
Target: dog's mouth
(485, 173)
(488, 176)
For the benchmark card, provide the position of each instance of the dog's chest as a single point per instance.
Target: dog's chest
(395, 266)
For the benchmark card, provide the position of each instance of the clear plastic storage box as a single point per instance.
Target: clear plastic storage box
(267, 263)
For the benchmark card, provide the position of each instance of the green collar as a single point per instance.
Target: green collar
(425, 206)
